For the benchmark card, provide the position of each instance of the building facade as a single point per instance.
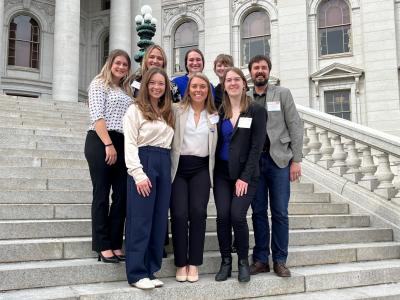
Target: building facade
(337, 56)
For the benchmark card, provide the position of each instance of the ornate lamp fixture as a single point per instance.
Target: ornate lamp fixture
(146, 28)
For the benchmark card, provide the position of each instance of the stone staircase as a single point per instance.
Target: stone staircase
(45, 248)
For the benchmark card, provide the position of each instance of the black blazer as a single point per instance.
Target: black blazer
(246, 144)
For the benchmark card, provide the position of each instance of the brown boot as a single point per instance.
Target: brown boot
(259, 267)
(281, 269)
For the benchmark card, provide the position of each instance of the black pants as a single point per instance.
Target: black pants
(107, 221)
(231, 212)
(190, 194)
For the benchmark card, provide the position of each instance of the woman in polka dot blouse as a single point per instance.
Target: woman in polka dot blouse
(109, 99)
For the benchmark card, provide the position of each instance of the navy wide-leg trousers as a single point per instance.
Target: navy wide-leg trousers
(146, 219)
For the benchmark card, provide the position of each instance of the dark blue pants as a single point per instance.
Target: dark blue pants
(275, 183)
(146, 219)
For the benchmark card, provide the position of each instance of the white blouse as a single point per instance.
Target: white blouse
(140, 132)
(107, 103)
(195, 138)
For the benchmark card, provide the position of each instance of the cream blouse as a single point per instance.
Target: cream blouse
(139, 132)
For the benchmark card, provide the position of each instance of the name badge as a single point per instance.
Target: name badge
(214, 119)
(244, 122)
(136, 85)
(274, 106)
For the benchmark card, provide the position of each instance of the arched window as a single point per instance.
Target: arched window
(186, 37)
(256, 35)
(334, 27)
(24, 42)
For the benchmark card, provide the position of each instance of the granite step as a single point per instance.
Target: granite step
(297, 206)
(43, 173)
(43, 146)
(40, 138)
(50, 154)
(6, 161)
(55, 228)
(86, 185)
(80, 247)
(304, 279)
(22, 130)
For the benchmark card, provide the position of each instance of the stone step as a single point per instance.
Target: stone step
(43, 125)
(56, 118)
(50, 154)
(80, 247)
(56, 114)
(52, 122)
(41, 138)
(297, 206)
(44, 173)
(390, 291)
(54, 228)
(86, 185)
(62, 132)
(43, 107)
(304, 279)
(43, 146)
(6, 161)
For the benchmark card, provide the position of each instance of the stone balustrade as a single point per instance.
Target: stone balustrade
(362, 155)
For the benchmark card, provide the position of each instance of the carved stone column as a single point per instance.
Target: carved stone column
(306, 140)
(385, 177)
(326, 160)
(66, 51)
(121, 25)
(339, 156)
(2, 45)
(396, 183)
(353, 163)
(368, 169)
(314, 155)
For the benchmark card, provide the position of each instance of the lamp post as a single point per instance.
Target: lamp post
(146, 28)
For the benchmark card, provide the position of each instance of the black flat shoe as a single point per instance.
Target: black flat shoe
(121, 257)
(113, 259)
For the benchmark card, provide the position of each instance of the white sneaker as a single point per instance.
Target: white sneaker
(157, 282)
(144, 284)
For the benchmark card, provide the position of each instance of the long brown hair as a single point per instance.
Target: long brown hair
(164, 104)
(244, 101)
(209, 103)
(105, 74)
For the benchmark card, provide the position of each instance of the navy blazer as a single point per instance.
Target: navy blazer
(246, 144)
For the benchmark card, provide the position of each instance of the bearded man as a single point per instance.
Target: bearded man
(279, 164)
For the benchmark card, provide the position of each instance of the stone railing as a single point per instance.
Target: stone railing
(364, 156)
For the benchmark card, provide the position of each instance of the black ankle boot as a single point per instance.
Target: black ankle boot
(244, 270)
(225, 270)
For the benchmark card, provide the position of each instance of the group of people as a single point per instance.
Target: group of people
(162, 144)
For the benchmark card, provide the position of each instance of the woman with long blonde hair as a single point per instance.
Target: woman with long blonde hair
(109, 98)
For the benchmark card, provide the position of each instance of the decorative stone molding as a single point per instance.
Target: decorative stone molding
(182, 10)
(42, 11)
(241, 7)
(313, 5)
(337, 71)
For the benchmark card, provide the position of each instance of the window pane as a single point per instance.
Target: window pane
(334, 40)
(256, 24)
(22, 54)
(337, 103)
(186, 37)
(24, 42)
(186, 34)
(180, 59)
(333, 13)
(255, 46)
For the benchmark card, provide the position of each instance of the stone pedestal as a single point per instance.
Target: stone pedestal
(66, 51)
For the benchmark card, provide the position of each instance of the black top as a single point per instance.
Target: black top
(246, 144)
(218, 96)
